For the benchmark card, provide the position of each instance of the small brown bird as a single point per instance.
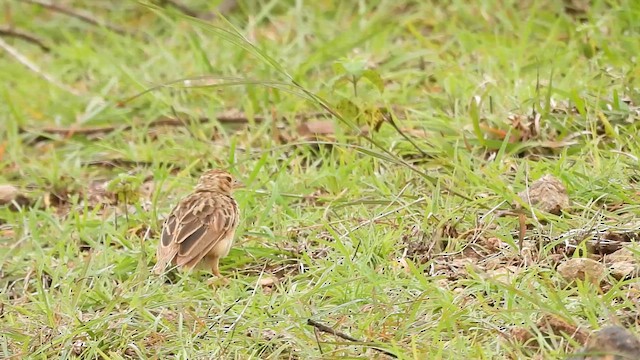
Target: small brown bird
(201, 227)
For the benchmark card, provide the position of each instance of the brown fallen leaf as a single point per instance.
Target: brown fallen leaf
(556, 325)
(526, 127)
(548, 325)
(521, 335)
(546, 194)
(232, 118)
(582, 269)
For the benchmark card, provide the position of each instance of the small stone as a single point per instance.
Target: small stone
(582, 269)
(268, 281)
(622, 263)
(622, 270)
(610, 343)
(7, 194)
(505, 274)
(621, 255)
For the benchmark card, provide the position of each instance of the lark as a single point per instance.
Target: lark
(200, 229)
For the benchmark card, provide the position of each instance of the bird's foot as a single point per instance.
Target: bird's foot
(218, 281)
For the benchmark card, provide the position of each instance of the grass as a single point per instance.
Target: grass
(369, 237)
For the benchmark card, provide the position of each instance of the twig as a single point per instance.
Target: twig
(227, 6)
(78, 15)
(224, 8)
(35, 68)
(5, 31)
(315, 333)
(328, 330)
(237, 118)
(180, 7)
(117, 163)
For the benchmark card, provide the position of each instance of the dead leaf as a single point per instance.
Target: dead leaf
(527, 127)
(492, 244)
(521, 335)
(419, 247)
(548, 325)
(582, 269)
(546, 194)
(552, 324)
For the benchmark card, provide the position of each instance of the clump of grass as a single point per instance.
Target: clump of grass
(391, 236)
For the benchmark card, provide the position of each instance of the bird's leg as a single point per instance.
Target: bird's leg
(216, 271)
(214, 266)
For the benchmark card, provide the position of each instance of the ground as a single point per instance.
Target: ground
(389, 151)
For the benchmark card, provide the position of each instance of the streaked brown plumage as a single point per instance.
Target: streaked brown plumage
(201, 227)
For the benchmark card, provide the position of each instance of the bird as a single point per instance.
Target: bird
(201, 228)
(610, 343)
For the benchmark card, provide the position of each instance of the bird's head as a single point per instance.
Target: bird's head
(218, 181)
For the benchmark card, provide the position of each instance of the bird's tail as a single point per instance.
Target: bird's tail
(159, 267)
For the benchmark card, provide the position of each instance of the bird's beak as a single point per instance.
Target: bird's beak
(237, 184)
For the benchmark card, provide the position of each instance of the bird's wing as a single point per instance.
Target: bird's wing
(167, 248)
(195, 227)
